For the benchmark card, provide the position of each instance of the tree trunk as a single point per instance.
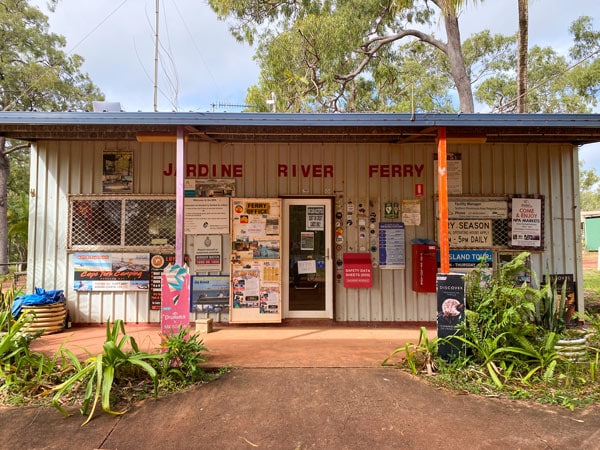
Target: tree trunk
(458, 69)
(4, 174)
(522, 56)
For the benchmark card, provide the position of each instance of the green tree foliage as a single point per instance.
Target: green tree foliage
(589, 185)
(345, 55)
(361, 55)
(36, 74)
(556, 83)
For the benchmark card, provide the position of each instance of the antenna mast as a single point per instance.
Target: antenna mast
(156, 59)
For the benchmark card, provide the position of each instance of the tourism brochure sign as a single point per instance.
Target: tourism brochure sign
(175, 299)
(451, 310)
(111, 271)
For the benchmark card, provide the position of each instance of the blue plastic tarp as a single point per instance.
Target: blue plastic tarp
(39, 297)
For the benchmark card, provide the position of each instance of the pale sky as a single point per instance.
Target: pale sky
(202, 66)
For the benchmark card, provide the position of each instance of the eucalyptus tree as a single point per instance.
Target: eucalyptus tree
(331, 53)
(36, 74)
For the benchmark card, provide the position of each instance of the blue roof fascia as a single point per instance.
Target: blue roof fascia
(300, 119)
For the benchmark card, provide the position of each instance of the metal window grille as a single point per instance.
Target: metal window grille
(135, 223)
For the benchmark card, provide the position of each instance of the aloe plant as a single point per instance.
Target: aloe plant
(100, 371)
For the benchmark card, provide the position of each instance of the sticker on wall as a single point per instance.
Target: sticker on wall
(362, 235)
(339, 231)
(362, 212)
(350, 207)
(338, 215)
(390, 210)
(338, 248)
(339, 239)
(349, 222)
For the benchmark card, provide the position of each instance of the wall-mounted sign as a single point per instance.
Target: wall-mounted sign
(207, 253)
(390, 210)
(117, 171)
(465, 260)
(465, 233)
(526, 222)
(206, 215)
(411, 212)
(466, 208)
(454, 173)
(358, 271)
(111, 271)
(315, 218)
(210, 294)
(157, 264)
(392, 246)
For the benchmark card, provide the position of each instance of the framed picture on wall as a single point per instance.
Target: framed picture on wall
(117, 171)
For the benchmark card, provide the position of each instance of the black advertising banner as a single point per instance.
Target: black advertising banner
(570, 302)
(158, 263)
(451, 310)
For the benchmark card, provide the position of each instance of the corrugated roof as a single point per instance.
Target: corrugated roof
(283, 127)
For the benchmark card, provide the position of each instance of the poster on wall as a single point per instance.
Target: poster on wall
(209, 187)
(315, 218)
(117, 171)
(454, 173)
(111, 271)
(158, 262)
(411, 212)
(210, 294)
(206, 215)
(207, 253)
(392, 245)
(256, 259)
(526, 222)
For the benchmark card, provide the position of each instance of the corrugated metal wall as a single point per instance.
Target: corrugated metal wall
(62, 168)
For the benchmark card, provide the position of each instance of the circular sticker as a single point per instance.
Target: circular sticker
(338, 215)
(239, 209)
(339, 231)
(157, 261)
(339, 238)
(349, 223)
(338, 248)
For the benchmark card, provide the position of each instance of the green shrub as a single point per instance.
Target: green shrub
(98, 372)
(183, 351)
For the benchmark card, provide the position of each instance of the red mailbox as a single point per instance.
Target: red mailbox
(424, 266)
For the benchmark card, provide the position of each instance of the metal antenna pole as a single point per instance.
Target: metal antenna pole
(156, 59)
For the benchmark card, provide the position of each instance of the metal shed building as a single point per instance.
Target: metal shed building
(339, 207)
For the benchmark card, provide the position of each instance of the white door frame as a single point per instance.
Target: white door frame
(327, 313)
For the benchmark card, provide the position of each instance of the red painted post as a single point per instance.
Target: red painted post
(443, 201)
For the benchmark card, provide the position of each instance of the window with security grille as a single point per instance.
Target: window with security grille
(121, 222)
